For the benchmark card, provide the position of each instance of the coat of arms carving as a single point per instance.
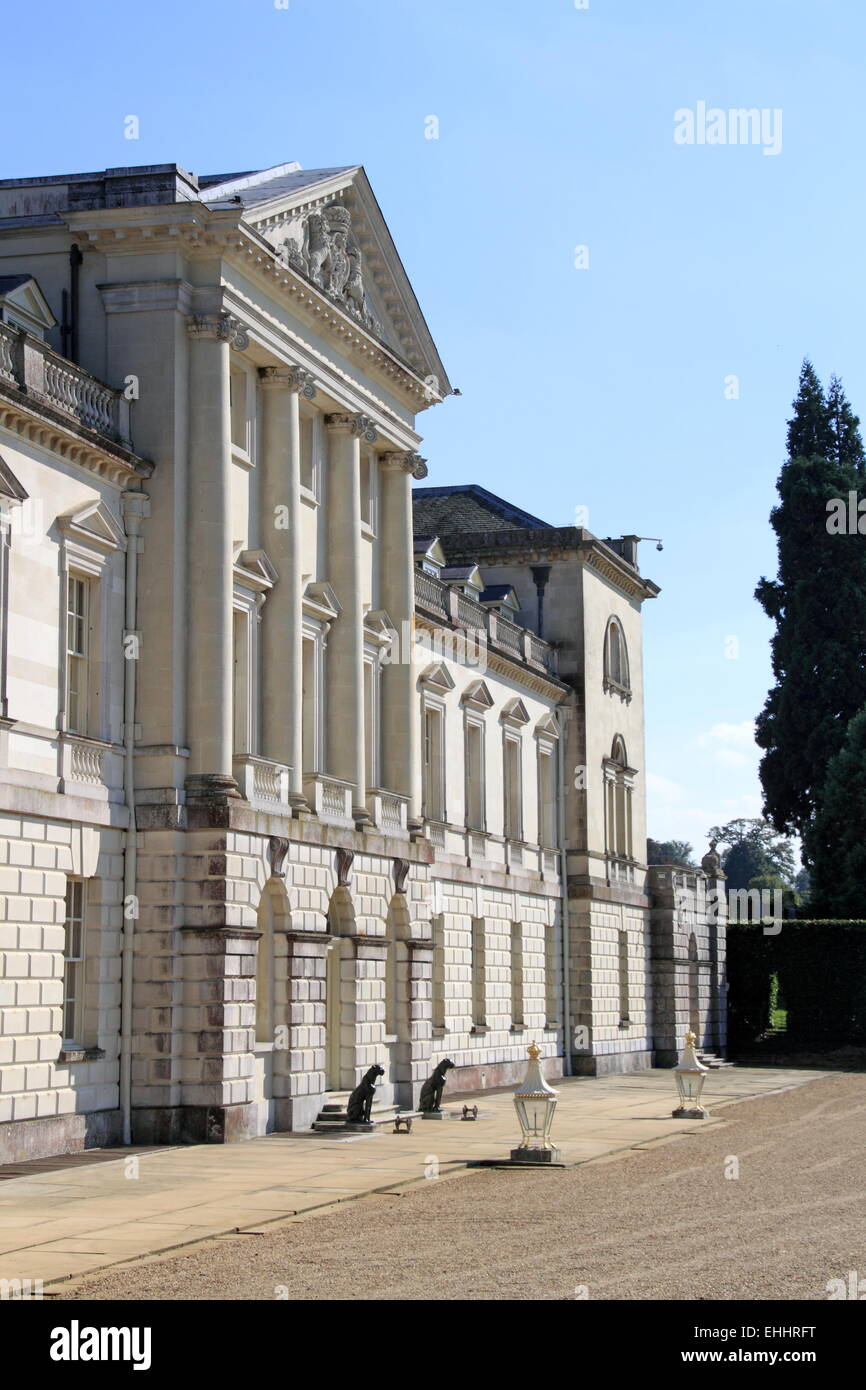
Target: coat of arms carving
(328, 254)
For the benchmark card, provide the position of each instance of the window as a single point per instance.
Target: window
(371, 722)
(616, 672)
(434, 772)
(623, 979)
(438, 934)
(513, 784)
(312, 760)
(552, 975)
(474, 765)
(516, 975)
(308, 452)
(241, 399)
(73, 962)
(369, 479)
(546, 796)
(77, 633)
(479, 973)
(619, 783)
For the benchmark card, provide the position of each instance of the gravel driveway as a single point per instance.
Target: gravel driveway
(663, 1222)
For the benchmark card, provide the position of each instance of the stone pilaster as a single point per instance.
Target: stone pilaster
(401, 711)
(209, 629)
(345, 679)
(282, 630)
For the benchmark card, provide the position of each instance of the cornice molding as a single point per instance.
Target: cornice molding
(201, 232)
(534, 682)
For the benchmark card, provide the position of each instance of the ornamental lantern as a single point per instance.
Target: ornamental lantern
(690, 1075)
(535, 1103)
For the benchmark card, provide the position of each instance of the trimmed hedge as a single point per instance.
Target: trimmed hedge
(821, 971)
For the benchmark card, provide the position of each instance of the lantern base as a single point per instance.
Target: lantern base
(535, 1156)
(696, 1112)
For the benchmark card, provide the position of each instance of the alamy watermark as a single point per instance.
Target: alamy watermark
(712, 125)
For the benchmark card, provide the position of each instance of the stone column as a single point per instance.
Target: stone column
(209, 627)
(345, 741)
(282, 632)
(401, 707)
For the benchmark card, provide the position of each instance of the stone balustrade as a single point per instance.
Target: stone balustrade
(449, 605)
(32, 367)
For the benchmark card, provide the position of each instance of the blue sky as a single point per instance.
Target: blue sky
(601, 387)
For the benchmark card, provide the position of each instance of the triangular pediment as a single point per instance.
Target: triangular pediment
(255, 568)
(477, 695)
(437, 677)
(93, 525)
(547, 727)
(378, 626)
(321, 602)
(22, 303)
(10, 488)
(515, 712)
(327, 225)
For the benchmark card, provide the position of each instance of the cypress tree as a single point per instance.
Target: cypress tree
(818, 603)
(835, 843)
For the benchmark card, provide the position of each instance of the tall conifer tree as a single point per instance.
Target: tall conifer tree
(818, 603)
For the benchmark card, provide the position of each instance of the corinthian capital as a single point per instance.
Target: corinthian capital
(220, 327)
(359, 426)
(288, 379)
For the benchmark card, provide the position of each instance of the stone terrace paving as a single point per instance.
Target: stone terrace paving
(56, 1225)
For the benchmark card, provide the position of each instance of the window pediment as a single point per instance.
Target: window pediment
(547, 727)
(93, 527)
(436, 677)
(515, 713)
(321, 602)
(253, 568)
(477, 696)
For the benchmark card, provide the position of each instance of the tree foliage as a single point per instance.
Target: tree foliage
(670, 852)
(752, 849)
(836, 844)
(818, 604)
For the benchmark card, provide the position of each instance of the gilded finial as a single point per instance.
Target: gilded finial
(534, 1051)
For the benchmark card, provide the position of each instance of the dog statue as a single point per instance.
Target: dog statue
(431, 1091)
(361, 1100)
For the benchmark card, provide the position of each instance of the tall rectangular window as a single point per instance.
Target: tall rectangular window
(434, 777)
(546, 797)
(474, 756)
(479, 973)
(73, 961)
(77, 623)
(312, 759)
(369, 465)
(371, 723)
(513, 789)
(552, 975)
(623, 978)
(239, 407)
(517, 974)
(308, 458)
(438, 933)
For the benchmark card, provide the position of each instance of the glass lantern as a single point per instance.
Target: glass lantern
(535, 1103)
(690, 1075)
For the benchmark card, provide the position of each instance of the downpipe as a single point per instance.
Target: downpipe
(135, 507)
(562, 722)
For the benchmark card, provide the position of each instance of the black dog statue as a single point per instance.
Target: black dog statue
(431, 1091)
(361, 1100)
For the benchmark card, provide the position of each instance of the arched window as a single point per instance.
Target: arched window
(616, 673)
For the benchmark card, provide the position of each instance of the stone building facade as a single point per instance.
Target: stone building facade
(291, 786)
